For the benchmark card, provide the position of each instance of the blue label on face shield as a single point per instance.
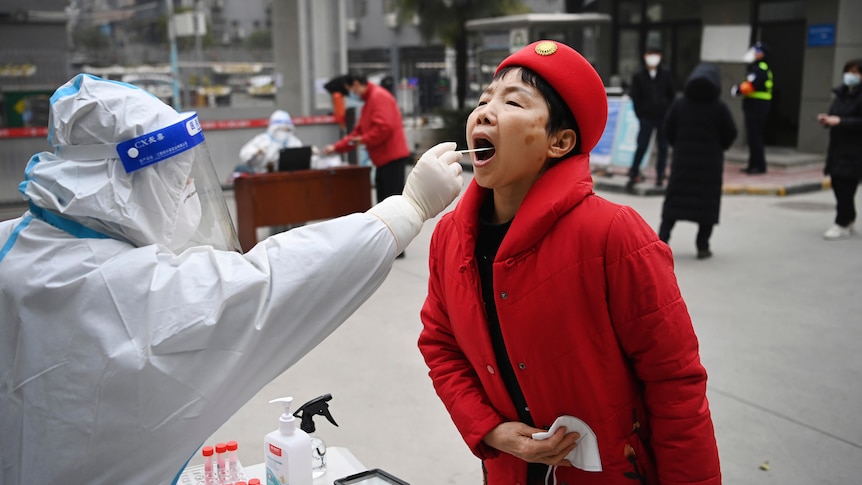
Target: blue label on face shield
(154, 147)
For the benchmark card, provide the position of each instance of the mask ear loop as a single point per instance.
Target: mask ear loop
(552, 472)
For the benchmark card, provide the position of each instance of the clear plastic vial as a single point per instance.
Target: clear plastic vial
(232, 464)
(221, 451)
(209, 476)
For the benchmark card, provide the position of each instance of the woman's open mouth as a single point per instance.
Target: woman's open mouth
(487, 147)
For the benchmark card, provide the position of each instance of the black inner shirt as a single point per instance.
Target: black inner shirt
(487, 243)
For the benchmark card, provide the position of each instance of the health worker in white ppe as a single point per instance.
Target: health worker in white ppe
(132, 326)
(262, 150)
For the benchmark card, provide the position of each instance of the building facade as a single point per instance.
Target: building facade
(810, 40)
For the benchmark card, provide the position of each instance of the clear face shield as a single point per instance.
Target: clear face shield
(175, 175)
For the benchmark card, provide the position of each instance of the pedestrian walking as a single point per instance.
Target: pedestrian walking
(844, 155)
(652, 92)
(756, 91)
(700, 128)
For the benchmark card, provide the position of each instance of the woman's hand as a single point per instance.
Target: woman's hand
(517, 440)
(828, 120)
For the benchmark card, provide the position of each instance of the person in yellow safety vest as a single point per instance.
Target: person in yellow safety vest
(756, 91)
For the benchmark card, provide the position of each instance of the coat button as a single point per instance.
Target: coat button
(490, 370)
(522, 366)
(504, 295)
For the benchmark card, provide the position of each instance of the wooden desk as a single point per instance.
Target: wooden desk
(280, 198)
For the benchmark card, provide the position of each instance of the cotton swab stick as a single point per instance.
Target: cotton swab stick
(471, 150)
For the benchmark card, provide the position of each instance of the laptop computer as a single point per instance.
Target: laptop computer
(296, 158)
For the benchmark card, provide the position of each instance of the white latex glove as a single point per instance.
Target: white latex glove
(432, 185)
(435, 181)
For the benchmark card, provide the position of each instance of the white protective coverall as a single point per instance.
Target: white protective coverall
(264, 148)
(120, 356)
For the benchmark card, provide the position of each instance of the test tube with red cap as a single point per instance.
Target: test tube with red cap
(209, 477)
(232, 465)
(253, 481)
(221, 451)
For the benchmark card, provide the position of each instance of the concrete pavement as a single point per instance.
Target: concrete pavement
(777, 312)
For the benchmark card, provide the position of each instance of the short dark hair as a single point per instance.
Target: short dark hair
(653, 50)
(560, 117)
(352, 77)
(857, 63)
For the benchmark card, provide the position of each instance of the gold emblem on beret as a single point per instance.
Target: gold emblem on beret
(546, 48)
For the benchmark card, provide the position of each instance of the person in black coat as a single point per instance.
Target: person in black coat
(700, 128)
(652, 92)
(844, 155)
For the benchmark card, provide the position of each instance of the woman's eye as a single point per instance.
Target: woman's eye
(513, 103)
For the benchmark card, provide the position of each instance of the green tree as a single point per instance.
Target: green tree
(446, 19)
(259, 39)
(91, 38)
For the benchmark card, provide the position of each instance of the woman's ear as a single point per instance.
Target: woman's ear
(562, 142)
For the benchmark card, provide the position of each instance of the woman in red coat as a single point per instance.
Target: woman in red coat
(547, 303)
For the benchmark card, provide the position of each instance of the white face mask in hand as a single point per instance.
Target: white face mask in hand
(586, 454)
(188, 216)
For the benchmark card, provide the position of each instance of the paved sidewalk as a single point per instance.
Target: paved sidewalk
(789, 172)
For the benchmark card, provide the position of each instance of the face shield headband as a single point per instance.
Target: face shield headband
(194, 215)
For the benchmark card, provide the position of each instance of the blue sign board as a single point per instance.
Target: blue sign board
(619, 141)
(821, 35)
(601, 154)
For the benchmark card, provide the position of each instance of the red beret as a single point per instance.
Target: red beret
(574, 79)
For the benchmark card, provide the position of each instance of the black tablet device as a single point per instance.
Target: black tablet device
(294, 158)
(375, 476)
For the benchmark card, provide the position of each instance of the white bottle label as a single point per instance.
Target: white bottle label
(276, 469)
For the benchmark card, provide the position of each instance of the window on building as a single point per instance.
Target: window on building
(360, 8)
(629, 11)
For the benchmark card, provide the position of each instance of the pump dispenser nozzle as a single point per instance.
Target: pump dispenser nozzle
(288, 450)
(317, 406)
(287, 423)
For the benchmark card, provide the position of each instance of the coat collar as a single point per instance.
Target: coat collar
(843, 91)
(557, 191)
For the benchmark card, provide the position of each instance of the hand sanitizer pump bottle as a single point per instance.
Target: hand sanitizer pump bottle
(306, 413)
(287, 451)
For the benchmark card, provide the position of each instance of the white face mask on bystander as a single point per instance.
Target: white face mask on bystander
(652, 60)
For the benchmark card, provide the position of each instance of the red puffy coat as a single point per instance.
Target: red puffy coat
(594, 325)
(380, 127)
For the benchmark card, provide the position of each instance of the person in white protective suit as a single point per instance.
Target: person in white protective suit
(132, 326)
(262, 150)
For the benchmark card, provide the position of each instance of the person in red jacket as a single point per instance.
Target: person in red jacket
(381, 130)
(548, 305)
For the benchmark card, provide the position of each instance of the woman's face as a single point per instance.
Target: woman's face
(511, 117)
